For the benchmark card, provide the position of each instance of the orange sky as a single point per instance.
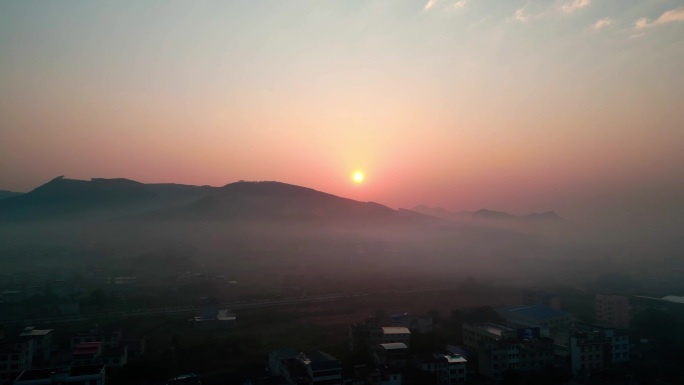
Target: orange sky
(520, 106)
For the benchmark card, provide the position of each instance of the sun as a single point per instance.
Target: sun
(358, 177)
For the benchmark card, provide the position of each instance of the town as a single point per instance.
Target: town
(523, 335)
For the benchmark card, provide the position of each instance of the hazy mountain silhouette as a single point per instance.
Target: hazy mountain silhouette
(440, 212)
(488, 215)
(279, 201)
(8, 194)
(70, 198)
(99, 199)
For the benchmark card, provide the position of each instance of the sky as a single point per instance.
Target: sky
(568, 105)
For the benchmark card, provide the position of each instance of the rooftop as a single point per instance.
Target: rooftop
(394, 346)
(32, 332)
(492, 328)
(395, 330)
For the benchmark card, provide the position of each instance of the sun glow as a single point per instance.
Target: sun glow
(358, 177)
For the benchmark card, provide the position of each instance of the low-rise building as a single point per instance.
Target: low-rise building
(42, 343)
(315, 368)
(108, 338)
(394, 353)
(556, 321)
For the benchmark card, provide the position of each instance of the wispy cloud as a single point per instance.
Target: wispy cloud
(520, 14)
(603, 23)
(429, 4)
(671, 16)
(574, 5)
(460, 4)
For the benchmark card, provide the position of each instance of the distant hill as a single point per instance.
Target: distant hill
(102, 199)
(485, 215)
(8, 194)
(443, 213)
(69, 198)
(276, 200)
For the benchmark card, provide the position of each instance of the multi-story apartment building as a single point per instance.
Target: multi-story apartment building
(449, 369)
(496, 349)
(16, 355)
(612, 311)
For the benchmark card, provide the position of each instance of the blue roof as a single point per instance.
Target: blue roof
(538, 312)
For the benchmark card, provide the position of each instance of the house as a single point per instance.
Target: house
(87, 353)
(394, 353)
(42, 342)
(315, 368)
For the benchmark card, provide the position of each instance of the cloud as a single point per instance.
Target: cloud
(520, 14)
(429, 4)
(460, 4)
(671, 16)
(602, 23)
(574, 5)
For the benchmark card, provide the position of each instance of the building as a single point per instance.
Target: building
(16, 355)
(211, 316)
(109, 338)
(495, 359)
(587, 353)
(592, 348)
(42, 343)
(87, 353)
(556, 321)
(395, 334)
(278, 357)
(449, 369)
(476, 335)
(361, 335)
(495, 349)
(315, 368)
(420, 324)
(541, 297)
(394, 353)
(667, 303)
(76, 375)
(612, 311)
